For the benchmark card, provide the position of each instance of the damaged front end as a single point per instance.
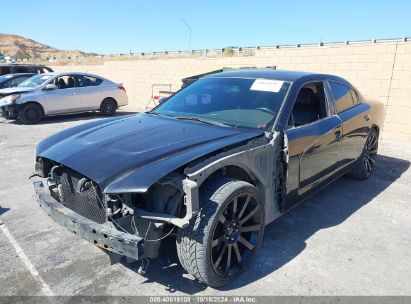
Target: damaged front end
(124, 224)
(132, 221)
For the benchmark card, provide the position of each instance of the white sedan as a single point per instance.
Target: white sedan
(60, 93)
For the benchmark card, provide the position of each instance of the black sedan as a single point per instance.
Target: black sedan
(212, 165)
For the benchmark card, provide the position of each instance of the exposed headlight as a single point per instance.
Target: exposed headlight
(9, 100)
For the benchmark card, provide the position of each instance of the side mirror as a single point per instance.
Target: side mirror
(50, 86)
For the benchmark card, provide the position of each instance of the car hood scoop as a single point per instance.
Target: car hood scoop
(130, 153)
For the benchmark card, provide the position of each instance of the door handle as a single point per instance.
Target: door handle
(367, 117)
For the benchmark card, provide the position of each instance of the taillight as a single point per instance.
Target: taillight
(122, 88)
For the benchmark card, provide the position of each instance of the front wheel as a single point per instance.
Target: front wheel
(222, 239)
(30, 113)
(365, 165)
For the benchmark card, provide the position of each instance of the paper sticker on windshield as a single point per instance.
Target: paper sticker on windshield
(205, 98)
(191, 100)
(267, 85)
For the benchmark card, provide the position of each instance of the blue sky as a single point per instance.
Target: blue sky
(110, 26)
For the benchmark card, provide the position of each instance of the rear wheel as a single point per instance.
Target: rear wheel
(108, 107)
(30, 113)
(222, 239)
(365, 165)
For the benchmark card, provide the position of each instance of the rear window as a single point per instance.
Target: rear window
(342, 96)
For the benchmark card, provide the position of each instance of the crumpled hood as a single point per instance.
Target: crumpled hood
(130, 153)
(9, 91)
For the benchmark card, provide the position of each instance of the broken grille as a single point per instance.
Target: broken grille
(88, 202)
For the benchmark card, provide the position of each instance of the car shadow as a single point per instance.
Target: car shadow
(74, 117)
(2, 211)
(285, 238)
(167, 271)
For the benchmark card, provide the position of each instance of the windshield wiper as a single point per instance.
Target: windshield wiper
(152, 113)
(195, 118)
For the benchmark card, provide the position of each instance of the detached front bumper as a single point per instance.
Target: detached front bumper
(100, 235)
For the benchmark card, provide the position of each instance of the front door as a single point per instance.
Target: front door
(314, 143)
(65, 98)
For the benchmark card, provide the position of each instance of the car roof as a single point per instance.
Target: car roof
(274, 74)
(71, 73)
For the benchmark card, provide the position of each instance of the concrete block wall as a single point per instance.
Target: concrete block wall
(381, 71)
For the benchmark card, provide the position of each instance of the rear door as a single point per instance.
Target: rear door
(314, 142)
(65, 99)
(90, 91)
(354, 116)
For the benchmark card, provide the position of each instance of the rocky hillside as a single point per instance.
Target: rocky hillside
(20, 47)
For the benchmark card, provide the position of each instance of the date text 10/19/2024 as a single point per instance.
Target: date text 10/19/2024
(203, 299)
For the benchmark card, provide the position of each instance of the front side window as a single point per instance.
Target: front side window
(234, 102)
(65, 82)
(310, 105)
(342, 97)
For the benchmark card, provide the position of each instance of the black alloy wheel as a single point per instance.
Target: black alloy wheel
(236, 235)
(221, 241)
(370, 153)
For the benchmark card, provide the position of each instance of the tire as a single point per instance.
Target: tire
(365, 165)
(217, 231)
(30, 113)
(108, 107)
(5, 114)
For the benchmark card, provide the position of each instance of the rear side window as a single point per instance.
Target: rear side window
(342, 96)
(89, 81)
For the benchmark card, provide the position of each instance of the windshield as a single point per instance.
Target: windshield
(235, 102)
(34, 81)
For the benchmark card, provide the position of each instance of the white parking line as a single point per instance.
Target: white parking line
(44, 287)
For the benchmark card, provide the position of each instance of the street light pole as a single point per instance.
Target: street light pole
(189, 32)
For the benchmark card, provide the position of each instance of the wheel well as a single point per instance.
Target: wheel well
(34, 103)
(235, 172)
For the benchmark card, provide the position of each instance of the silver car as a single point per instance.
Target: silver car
(60, 93)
